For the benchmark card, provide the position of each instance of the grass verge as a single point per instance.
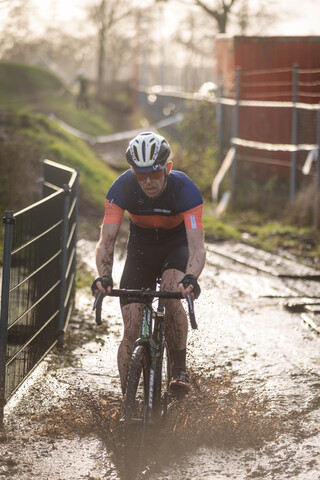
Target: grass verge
(273, 236)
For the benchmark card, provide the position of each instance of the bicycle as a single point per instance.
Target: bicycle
(145, 404)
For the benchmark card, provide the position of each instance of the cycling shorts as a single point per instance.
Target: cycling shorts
(147, 261)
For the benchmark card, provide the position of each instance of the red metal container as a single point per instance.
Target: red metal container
(266, 65)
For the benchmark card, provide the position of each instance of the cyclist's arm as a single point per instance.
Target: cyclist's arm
(197, 252)
(105, 251)
(195, 238)
(197, 258)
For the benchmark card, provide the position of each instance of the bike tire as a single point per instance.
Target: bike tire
(136, 411)
(162, 380)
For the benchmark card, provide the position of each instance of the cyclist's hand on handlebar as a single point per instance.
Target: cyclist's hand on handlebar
(101, 287)
(185, 291)
(189, 284)
(102, 284)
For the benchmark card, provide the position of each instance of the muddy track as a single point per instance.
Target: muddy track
(254, 407)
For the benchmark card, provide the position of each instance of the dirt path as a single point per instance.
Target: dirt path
(253, 412)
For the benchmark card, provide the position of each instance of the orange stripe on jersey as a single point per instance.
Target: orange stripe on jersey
(157, 221)
(193, 218)
(113, 214)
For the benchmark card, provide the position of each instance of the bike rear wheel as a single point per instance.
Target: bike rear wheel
(136, 411)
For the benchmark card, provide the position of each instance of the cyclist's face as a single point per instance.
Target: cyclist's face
(153, 186)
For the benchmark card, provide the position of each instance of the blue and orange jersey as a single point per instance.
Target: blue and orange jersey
(179, 207)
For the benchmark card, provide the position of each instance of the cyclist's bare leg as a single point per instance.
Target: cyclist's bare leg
(131, 315)
(176, 331)
(176, 321)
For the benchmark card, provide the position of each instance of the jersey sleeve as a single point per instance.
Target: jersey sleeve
(116, 201)
(193, 218)
(113, 214)
(189, 202)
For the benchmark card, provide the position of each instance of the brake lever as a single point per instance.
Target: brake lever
(97, 306)
(191, 312)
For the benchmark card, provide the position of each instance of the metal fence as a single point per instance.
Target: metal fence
(271, 125)
(276, 127)
(38, 278)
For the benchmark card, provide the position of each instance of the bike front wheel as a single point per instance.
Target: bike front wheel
(162, 380)
(136, 410)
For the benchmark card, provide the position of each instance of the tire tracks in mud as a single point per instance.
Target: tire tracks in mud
(301, 280)
(221, 414)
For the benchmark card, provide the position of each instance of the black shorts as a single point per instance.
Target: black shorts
(146, 261)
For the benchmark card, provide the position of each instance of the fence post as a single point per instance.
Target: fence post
(235, 134)
(64, 261)
(317, 196)
(77, 202)
(8, 220)
(76, 217)
(294, 131)
(219, 122)
(43, 177)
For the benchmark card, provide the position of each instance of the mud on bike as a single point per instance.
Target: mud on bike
(147, 396)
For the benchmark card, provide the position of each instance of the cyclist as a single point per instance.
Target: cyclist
(166, 240)
(82, 97)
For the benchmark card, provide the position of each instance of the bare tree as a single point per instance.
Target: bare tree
(254, 16)
(220, 11)
(196, 39)
(105, 15)
(16, 27)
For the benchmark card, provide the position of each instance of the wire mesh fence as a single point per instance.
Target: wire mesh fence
(272, 120)
(276, 137)
(39, 264)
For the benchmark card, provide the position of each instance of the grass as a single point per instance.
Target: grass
(58, 145)
(90, 122)
(27, 96)
(262, 232)
(216, 228)
(25, 86)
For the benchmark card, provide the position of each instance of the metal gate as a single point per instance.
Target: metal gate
(38, 278)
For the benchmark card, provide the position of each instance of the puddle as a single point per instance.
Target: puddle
(253, 411)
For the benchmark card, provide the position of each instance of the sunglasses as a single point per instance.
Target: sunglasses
(156, 175)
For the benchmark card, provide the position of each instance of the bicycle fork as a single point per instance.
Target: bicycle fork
(151, 339)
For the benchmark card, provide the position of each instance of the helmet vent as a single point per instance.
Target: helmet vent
(144, 150)
(152, 151)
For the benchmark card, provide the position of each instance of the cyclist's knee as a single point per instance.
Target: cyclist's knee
(172, 306)
(170, 279)
(131, 314)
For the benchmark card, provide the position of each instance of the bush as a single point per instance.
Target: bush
(306, 202)
(197, 155)
(19, 167)
(267, 195)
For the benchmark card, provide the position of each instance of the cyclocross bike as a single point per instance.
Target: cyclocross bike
(147, 395)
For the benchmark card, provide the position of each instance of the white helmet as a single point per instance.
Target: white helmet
(148, 151)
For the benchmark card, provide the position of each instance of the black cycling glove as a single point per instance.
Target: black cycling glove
(106, 282)
(190, 279)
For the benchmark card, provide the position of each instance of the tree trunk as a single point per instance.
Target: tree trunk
(101, 50)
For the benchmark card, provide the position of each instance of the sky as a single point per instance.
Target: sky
(70, 15)
(303, 20)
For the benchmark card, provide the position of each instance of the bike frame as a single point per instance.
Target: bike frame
(152, 406)
(152, 327)
(151, 337)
